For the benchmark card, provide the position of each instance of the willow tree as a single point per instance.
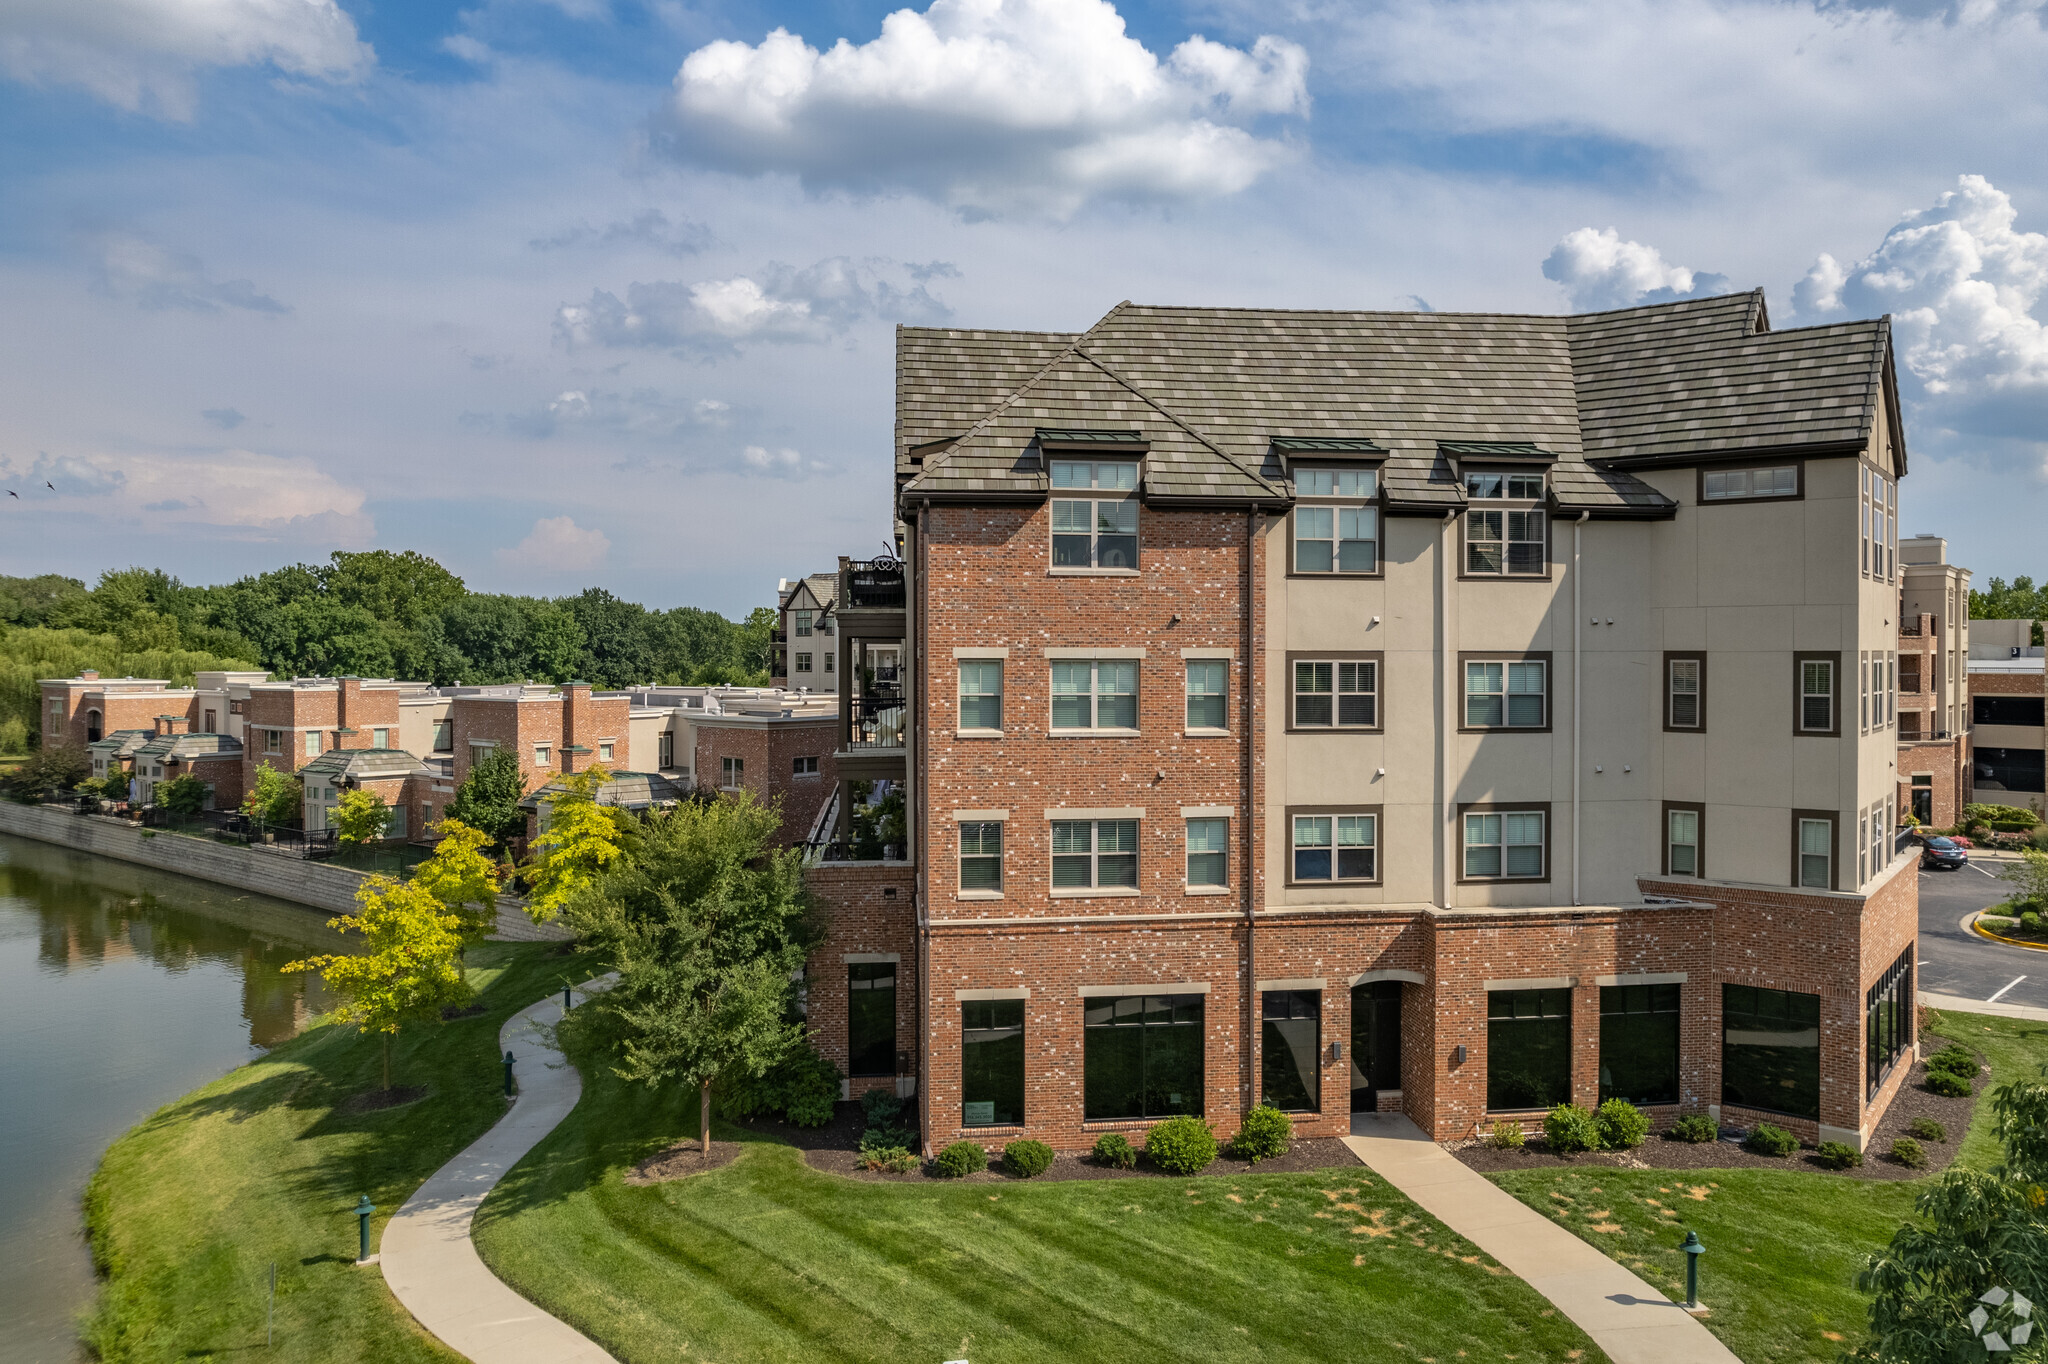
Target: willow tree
(707, 923)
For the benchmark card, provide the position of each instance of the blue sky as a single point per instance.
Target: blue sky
(573, 292)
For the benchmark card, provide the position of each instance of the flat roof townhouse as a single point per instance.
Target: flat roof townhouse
(1452, 714)
(2007, 683)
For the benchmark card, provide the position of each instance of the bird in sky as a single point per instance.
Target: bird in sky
(51, 486)
(13, 494)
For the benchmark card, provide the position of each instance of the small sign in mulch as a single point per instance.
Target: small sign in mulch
(374, 1100)
(683, 1160)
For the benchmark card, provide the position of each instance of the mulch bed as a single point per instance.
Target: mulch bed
(373, 1100)
(835, 1149)
(683, 1160)
(1914, 1100)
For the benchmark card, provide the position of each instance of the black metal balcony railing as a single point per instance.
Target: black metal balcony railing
(873, 583)
(843, 850)
(874, 722)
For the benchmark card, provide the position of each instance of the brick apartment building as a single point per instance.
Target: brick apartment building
(1451, 714)
(2010, 753)
(414, 744)
(1934, 683)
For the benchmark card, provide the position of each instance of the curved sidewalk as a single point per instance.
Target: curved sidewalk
(427, 1256)
(1631, 1321)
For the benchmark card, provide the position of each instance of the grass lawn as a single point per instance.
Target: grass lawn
(189, 1209)
(1783, 1247)
(767, 1259)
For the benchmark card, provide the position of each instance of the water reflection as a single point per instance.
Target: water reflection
(120, 989)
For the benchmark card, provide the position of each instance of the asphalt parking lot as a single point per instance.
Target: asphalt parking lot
(1956, 962)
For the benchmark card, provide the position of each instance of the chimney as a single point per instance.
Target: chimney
(173, 724)
(346, 705)
(575, 716)
(89, 675)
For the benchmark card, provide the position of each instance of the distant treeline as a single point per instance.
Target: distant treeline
(2017, 600)
(376, 614)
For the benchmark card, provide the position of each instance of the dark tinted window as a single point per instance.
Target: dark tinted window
(1528, 1048)
(1141, 1056)
(991, 1062)
(2010, 769)
(1639, 1043)
(1770, 1050)
(871, 1018)
(1290, 1046)
(2005, 710)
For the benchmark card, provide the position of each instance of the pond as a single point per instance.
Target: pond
(121, 988)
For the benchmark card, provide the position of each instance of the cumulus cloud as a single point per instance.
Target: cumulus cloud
(1599, 270)
(239, 494)
(144, 55)
(226, 418)
(1962, 283)
(641, 412)
(783, 305)
(992, 106)
(129, 266)
(778, 463)
(650, 229)
(557, 543)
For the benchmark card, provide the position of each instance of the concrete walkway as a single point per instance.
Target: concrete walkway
(1631, 1321)
(1958, 1004)
(427, 1256)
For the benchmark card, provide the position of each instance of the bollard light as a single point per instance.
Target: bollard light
(363, 1210)
(508, 1074)
(1693, 1250)
(566, 1004)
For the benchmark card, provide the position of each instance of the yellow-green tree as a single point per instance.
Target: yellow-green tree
(581, 840)
(276, 799)
(361, 817)
(409, 969)
(462, 878)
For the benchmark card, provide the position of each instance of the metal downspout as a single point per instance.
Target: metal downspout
(919, 832)
(1446, 719)
(1577, 623)
(1251, 846)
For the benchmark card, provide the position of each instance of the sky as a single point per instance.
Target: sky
(602, 292)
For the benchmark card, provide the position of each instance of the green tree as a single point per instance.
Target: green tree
(581, 839)
(278, 798)
(462, 878)
(618, 645)
(409, 969)
(489, 797)
(29, 601)
(402, 587)
(706, 922)
(361, 817)
(2030, 874)
(182, 795)
(1981, 1230)
(49, 769)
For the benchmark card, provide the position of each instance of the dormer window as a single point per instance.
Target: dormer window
(1503, 539)
(1095, 514)
(1336, 529)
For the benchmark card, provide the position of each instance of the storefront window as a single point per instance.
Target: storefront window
(1770, 1050)
(991, 1062)
(1528, 1049)
(1639, 1043)
(1142, 1056)
(1290, 1046)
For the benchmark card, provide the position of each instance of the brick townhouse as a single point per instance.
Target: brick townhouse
(1450, 714)
(2009, 755)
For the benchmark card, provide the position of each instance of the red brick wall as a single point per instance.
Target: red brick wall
(1948, 761)
(769, 749)
(866, 908)
(2005, 684)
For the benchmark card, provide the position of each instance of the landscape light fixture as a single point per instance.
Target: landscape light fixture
(1693, 1250)
(363, 1209)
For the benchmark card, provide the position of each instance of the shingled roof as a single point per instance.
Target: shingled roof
(1223, 399)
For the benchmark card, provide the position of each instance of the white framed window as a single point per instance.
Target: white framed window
(1208, 852)
(803, 624)
(1862, 846)
(1817, 695)
(444, 738)
(803, 767)
(981, 693)
(1864, 677)
(1332, 537)
(1685, 691)
(830, 658)
(605, 750)
(312, 743)
(1334, 847)
(273, 741)
(731, 771)
(981, 856)
(1735, 485)
(1099, 531)
(1095, 694)
(1816, 851)
(542, 754)
(1682, 842)
(1208, 695)
(1498, 487)
(1502, 541)
(1094, 854)
(1336, 693)
(803, 661)
(1507, 694)
(1504, 845)
(665, 750)
(380, 738)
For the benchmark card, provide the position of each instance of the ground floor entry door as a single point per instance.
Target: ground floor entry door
(1375, 1042)
(1923, 804)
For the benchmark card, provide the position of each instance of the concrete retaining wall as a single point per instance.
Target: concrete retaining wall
(278, 875)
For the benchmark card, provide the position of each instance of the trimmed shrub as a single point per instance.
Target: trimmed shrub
(881, 1108)
(1027, 1158)
(1909, 1153)
(1622, 1125)
(1949, 1085)
(1839, 1155)
(1769, 1140)
(1568, 1129)
(1265, 1134)
(1956, 1060)
(2031, 921)
(1114, 1149)
(1507, 1136)
(1695, 1128)
(961, 1159)
(894, 1160)
(1927, 1129)
(1181, 1146)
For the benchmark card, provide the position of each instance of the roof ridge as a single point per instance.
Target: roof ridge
(1072, 347)
(1181, 422)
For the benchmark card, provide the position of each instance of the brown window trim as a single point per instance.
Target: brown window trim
(1834, 819)
(1800, 658)
(1685, 656)
(1700, 482)
(1374, 656)
(1514, 807)
(1378, 502)
(1508, 504)
(1699, 872)
(1543, 656)
(1379, 849)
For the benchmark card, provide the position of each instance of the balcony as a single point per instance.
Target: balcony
(874, 722)
(871, 584)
